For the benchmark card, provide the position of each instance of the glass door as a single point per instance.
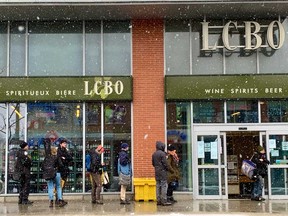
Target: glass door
(210, 170)
(277, 152)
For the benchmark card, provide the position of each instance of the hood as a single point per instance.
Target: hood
(160, 146)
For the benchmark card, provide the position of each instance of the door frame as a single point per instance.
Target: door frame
(221, 129)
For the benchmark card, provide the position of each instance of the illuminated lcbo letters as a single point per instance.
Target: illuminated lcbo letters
(103, 87)
(252, 33)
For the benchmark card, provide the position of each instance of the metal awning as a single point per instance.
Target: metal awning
(120, 10)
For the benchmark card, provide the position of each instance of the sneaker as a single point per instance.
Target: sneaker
(261, 199)
(124, 202)
(166, 204)
(61, 203)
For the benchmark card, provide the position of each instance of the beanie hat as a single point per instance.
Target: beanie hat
(23, 144)
(124, 145)
(260, 148)
(171, 147)
(63, 140)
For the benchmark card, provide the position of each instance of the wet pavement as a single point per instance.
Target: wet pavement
(182, 207)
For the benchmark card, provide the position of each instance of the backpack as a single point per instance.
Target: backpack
(123, 158)
(49, 171)
(88, 162)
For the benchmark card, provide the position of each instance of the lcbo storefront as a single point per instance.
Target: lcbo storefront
(214, 88)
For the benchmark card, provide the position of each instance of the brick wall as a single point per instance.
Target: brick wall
(148, 93)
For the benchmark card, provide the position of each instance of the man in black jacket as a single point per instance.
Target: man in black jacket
(24, 161)
(159, 162)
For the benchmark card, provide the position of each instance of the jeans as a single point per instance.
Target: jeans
(96, 186)
(56, 181)
(161, 191)
(257, 187)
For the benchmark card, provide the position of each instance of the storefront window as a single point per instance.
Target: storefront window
(16, 133)
(208, 112)
(178, 134)
(53, 122)
(92, 48)
(117, 48)
(3, 132)
(177, 47)
(3, 49)
(274, 111)
(117, 130)
(242, 112)
(93, 133)
(55, 48)
(17, 49)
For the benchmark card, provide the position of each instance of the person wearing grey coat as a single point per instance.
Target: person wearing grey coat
(159, 162)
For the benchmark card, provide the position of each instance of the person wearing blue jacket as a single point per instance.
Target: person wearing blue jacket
(124, 172)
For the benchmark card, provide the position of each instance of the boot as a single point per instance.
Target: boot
(51, 204)
(61, 203)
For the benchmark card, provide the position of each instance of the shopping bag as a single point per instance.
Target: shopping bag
(248, 168)
(105, 180)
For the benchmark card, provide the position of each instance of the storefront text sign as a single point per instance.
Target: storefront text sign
(226, 87)
(65, 88)
(253, 34)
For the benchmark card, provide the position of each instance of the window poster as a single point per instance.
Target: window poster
(214, 150)
(272, 143)
(200, 149)
(285, 146)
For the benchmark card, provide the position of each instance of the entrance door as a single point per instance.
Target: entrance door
(210, 171)
(277, 149)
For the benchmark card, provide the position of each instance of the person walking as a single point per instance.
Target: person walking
(66, 159)
(96, 169)
(259, 158)
(51, 174)
(159, 162)
(124, 172)
(173, 172)
(24, 164)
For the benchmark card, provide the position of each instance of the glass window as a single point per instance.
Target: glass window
(55, 48)
(117, 48)
(117, 130)
(208, 112)
(3, 132)
(3, 49)
(177, 47)
(93, 132)
(271, 60)
(274, 111)
(206, 62)
(17, 48)
(53, 122)
(16, 132)
(92, 48)
(242, 112)
(178, 134)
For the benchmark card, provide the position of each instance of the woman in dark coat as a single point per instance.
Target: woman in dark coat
(173, 172)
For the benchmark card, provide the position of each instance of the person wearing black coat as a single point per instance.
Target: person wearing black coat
(66, 159)
(159, 162)
(24, 162)
(259, 158)
(51, 174)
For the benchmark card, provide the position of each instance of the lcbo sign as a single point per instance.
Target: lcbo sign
(253, 32)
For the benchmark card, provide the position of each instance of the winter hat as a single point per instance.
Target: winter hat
(260, 148)
(124, 145)
(23, 144)
(100, 148)
(171, 147)
(63, 140)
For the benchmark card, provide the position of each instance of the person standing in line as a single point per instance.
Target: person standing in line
(96, 169)
(66, 159)
(259, 158)
(24, 162)
(173, 172)
(124, 172)
(52, 175)
(159, 162)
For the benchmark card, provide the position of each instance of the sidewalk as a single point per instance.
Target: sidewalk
(185, 207)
